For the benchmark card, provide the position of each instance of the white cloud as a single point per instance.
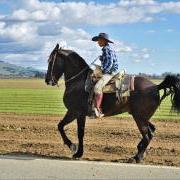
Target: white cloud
(33, 28)
(140, 55)
(171, 7)
(126, 11)
(31, 49)
(18, 32)
(2, 25)
(74, 34)
(121, 47)
(20, 14)
(23, 59)
(136, 2)
(151, 31)
(170, 30)
(137, 60)
(146, 56)
(145, 50)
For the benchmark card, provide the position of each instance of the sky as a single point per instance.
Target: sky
(146, 33)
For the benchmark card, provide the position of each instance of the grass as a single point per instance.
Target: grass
(32, 96)
(26, 84)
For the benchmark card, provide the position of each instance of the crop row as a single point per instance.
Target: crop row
(49, 101)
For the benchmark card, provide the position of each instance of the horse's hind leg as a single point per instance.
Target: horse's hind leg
(147, 129)
(81, 126)
(152, 128)
(69, 117)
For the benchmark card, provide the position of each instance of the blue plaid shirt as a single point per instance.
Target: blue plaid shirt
(108, 60)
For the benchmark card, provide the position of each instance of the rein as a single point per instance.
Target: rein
(82, 71)
(73, 77)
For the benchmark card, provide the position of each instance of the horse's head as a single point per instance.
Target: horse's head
(65, 61)
(55, 67)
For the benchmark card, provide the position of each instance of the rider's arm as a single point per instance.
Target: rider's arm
(107, 60)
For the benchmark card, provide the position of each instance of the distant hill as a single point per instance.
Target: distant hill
(9, 70)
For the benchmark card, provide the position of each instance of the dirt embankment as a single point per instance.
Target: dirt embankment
(110, 139)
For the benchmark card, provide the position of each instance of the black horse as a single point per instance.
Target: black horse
(141, 104)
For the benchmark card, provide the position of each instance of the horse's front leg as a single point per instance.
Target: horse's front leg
(68, 118)
(81, 126)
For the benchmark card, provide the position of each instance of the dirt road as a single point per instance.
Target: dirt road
(109, 139)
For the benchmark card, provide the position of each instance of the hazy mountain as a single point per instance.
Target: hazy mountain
(7, 69)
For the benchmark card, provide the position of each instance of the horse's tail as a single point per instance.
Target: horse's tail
(171, 86)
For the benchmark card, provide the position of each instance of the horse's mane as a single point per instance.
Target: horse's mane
(73, 56)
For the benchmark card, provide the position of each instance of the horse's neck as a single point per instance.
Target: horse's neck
(75, 71)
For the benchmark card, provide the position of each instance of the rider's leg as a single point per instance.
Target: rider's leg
(99, 92)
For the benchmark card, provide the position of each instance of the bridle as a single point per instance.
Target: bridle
(73, 77)
(52, 68)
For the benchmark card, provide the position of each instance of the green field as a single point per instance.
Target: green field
(33, 96)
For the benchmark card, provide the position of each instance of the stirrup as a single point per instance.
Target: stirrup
(98, 113)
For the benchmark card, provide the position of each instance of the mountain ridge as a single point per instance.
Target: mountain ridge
(8, 69)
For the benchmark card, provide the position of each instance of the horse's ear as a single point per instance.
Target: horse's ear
(57, 47)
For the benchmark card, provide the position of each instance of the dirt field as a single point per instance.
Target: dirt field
(109, 139)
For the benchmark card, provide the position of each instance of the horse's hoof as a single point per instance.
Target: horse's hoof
(74, 148)
(137, 159)
(75, 158)
(131, 160)
(134, 159)
(77, 155)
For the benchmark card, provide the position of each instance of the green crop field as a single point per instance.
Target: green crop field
(33, 96)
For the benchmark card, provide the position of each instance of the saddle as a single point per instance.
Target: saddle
(121, 83)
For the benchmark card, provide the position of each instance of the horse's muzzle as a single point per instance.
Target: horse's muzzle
(50, 82)
(47, 81)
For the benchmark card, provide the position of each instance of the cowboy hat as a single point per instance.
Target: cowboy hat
(102, 35)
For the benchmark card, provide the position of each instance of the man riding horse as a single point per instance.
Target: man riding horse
(109, 67)
(142, 102)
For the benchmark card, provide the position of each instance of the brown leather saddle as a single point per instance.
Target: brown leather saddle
(121, 83)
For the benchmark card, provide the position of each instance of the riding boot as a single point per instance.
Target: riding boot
(98, 101)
